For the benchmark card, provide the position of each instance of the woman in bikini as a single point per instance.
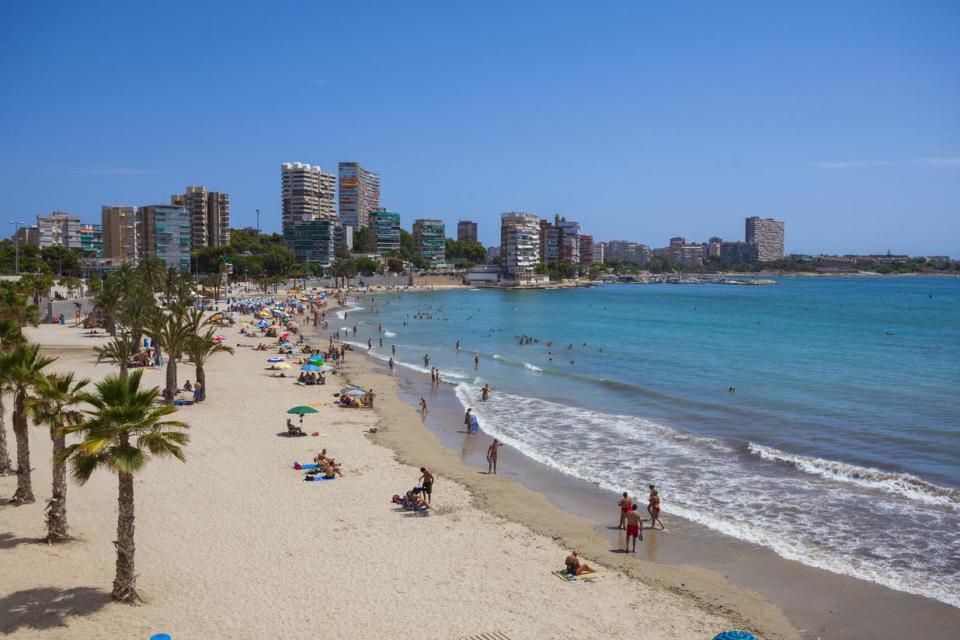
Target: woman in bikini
(653, 508)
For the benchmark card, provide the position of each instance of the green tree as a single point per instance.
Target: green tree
(37, 285)
(54, 406)
(199, 348)
(23, 369)
(118, 351)
(362, 242)
(344, 270)
(395, 265)
(123, 431)
(169, 329)
(367, 266)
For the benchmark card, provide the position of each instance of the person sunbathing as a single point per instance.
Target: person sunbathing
(321, 458)
(332, 471)
(292, 428)
(575, 567)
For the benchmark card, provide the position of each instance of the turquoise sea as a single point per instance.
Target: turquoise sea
(840, 447)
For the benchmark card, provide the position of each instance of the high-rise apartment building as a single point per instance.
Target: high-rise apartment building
(58, 229)
(586, 251)
(312, 240)
(429, 240)
(91, 240)
(767, 234)
(385, 232)
(27, 235)
(307, 193)
(209, 216)
(119, 234)
(519, 245)
(466, 231)
(736, 253)
(359, 194)
(599, 252)
(560, 241)
(165, 232)
(685, 254)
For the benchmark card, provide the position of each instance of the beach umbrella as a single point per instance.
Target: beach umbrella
(275, 359)
(309, 367)
(285, 334)
(353, 391)
(300, 411)
(264, 314)
(281, 365)
(734, 635)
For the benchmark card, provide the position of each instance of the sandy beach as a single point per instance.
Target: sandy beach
(234, 544)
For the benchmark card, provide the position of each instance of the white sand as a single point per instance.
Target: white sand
(233, 544)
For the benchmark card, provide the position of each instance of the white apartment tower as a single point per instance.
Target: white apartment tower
(519, 245)
(359, 194)
(307, 193)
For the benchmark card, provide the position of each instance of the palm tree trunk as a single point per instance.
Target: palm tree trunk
(57, 507)
(123, 370)
(6, 467)
(24, 493)
(202, 381)
(171, 390)
(125, 581)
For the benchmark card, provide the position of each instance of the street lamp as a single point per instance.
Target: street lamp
(258, 224)
(16, 244)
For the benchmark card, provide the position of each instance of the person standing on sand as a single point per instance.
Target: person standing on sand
(426, 481)
(624, 504)
(466, 419)
(423, 407)
(492, 456)
(653, 508)
(390, 364)
(634, 527)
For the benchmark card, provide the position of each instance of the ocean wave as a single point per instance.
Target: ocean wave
(532, 367)
(390, 334)
(904, 484)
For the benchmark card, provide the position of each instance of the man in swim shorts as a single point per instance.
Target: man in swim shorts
(634, 527)
(426, 481)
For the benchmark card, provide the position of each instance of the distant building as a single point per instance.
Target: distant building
(569, 240)
(58, 229)
(586, 251)
(343, 238)
(307, 193)
(767, 234)
(209, 216)
(164, 232)
(619, 249)
(493, 253)
(359, 194)
(713, 247)
(599, 252)
(91, 240)
(685, 254)
(466, 231)
(119, 234)
(385, 232)
(638, 254)
(737, 253)
(519, 245)
(313, 240)
(429, 240)
(27, 235)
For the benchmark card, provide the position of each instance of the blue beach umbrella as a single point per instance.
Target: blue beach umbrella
(309, 367)
(734, 635)
(275, 359)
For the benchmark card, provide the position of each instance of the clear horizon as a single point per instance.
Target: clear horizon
(641, 122)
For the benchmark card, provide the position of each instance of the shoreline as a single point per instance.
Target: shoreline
(817, 601)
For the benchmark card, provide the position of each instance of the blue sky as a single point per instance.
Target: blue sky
(641, 120)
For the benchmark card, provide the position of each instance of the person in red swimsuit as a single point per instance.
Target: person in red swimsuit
(653, 508)
(634, 527)
(624, 504)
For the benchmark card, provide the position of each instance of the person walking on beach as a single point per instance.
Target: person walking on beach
(634, 527)
(624, 504)
(466, 419)
(653, 508)
(423, 407)
(390, 364)
(492, 456)
(426, 482)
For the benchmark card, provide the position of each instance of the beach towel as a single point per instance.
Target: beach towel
(298, 466)
(585, 577)
(317, 478)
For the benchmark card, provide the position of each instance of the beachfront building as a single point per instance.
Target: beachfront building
(119, 228)
(306, 193)
(618, 249)
(466, 231)
(313, 240)
(164, 232)
(429, 240)
(737, 253)
(58, 229)
(767, 234)
(685, 254)
(599, 252)
(343, 238)
(91, 240)
(359, 195)
(519, 245)
(385, 232)
(586, 251)
(209, 216)
(27, 235)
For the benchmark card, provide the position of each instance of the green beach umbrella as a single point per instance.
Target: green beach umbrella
(302, 409)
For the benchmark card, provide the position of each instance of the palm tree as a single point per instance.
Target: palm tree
(118, 351)
(6, 466)
(170, 329)
(37, 285)
(123, 431)
(108, 301)
(15, 306)
(24, 369)
(134, 312)
(199, 348)
(54, 405)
